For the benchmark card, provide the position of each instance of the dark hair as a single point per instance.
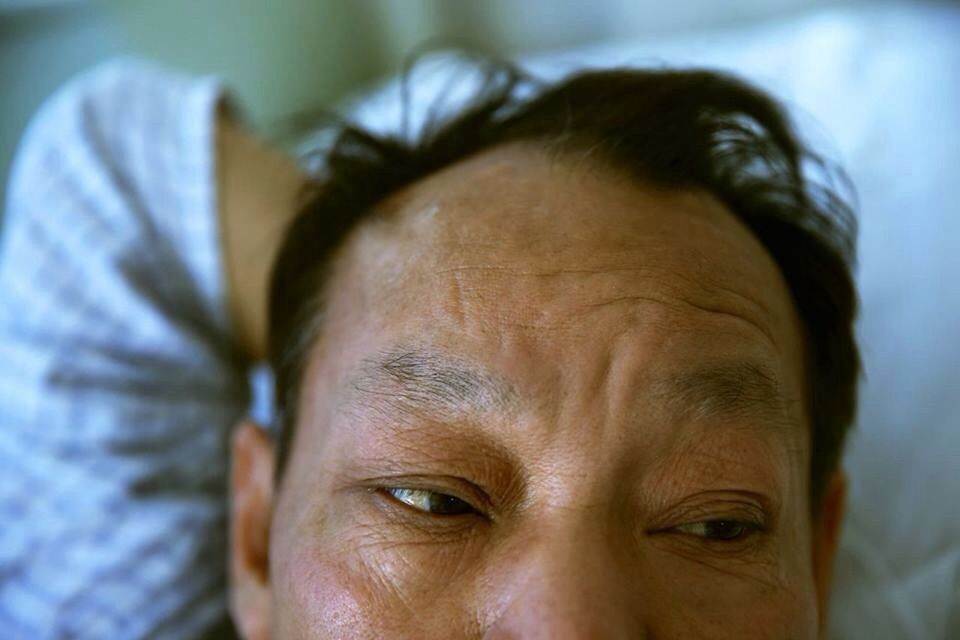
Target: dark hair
(678, 129)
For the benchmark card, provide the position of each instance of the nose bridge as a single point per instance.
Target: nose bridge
(568, 583)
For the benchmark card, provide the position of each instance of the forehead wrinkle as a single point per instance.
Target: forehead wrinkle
(705, 291)
(418, 380)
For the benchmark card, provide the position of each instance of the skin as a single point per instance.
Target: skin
(260, 189)
(596, 371)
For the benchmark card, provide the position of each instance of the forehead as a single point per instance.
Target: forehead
(552, 270)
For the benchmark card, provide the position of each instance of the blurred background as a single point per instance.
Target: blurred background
(285, 56)
(877, 83)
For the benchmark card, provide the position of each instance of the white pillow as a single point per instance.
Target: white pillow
(878, 88)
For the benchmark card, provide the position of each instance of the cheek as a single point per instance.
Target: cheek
(769, 597)
(315, 596)
(761, 615)
(365, 587)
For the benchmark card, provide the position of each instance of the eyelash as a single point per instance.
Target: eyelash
(713, 531)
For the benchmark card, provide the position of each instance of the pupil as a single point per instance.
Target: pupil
(724, 529)
(447, 505)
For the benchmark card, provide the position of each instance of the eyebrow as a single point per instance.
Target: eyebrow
(418, 380)
(729, 390)
(426, 380)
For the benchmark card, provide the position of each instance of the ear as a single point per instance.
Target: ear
(826, 538)
(251, 481)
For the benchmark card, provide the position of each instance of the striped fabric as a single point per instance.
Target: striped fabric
(118, 385)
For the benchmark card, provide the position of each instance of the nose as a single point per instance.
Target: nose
(566, 588)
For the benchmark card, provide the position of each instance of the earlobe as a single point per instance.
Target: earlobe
(827, 529)
(251, 480)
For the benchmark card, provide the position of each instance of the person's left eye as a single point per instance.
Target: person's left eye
(430, 502)
(719, 530)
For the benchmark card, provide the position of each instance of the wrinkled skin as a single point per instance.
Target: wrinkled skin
(597, 371)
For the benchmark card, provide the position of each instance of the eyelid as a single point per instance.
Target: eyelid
(739, 506)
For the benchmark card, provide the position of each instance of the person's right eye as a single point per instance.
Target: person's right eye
(430, 502)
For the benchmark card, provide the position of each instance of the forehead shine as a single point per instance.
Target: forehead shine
(514, 224)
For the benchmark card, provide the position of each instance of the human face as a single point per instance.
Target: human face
(548, 402)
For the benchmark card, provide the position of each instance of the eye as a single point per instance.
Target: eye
(432, 502)
(719, 530)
